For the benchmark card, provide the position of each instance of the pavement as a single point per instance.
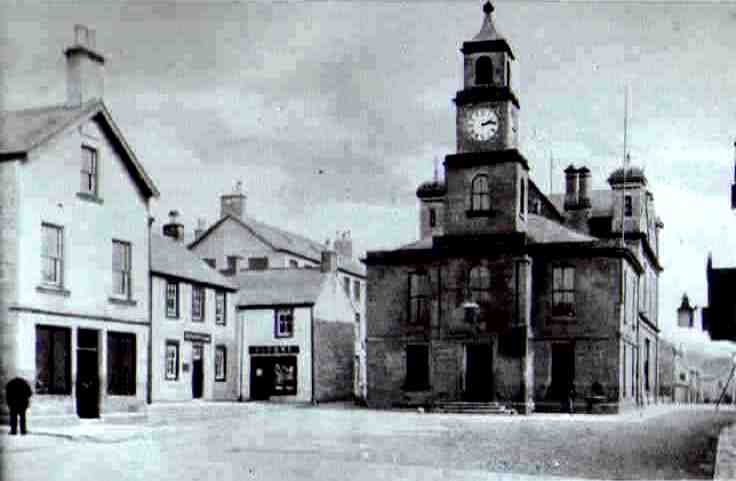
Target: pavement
(121, 428)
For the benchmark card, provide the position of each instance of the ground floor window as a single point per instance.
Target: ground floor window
(417, 367)
(172, 360)
(284, 375)
(121, 363)
(53, 360)
(220, 363)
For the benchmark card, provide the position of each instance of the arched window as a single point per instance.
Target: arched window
(479, 284)
(480, 196)
(483, 70)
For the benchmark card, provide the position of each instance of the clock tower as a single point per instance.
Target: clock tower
(487, 178)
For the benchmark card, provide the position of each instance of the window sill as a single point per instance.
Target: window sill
(121, 301)
(220, 380)
(172, 318)
(290, 336)
(480, 213)
(90, 197)
(221, 324)
(55, 290)
(198, 321)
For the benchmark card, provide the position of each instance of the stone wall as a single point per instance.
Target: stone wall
(334, 344)
(8, 268)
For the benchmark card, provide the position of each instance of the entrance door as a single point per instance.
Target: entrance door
(261, 377)
(478, 373)
(197, 371)
(88, 375)
(563, 369)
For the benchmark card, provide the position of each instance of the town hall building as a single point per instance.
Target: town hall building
(511, 296)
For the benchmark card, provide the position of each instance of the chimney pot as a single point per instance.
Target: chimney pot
(571, 187)
(91, 38)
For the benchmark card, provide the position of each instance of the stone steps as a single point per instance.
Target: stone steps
(472, 407)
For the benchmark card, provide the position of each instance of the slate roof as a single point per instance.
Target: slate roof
(545, 231)
(23, 130)
(282, 240)
(171, 258)
(275, 287)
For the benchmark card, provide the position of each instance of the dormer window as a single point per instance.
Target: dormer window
(483, 70)
(432, 217)
(508, 74)
(480, 195)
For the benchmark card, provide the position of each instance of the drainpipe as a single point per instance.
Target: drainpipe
(311, 349)
(240, 329)
(149, 385)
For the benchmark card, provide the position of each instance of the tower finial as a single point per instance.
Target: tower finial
(488, 7)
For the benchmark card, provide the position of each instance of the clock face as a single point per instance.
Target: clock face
(482, 124)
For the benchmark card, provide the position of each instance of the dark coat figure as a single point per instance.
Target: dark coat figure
(17, 395)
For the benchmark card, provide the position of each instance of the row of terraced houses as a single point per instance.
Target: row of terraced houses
(101, 312)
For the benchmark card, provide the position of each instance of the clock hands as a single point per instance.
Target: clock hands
(488, 122)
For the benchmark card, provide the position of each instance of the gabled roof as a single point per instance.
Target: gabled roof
(171, 258)
(281, 240)
(21, 131)
(279, 287)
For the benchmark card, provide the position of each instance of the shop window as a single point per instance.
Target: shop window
(284, 376)
(284, 322)
(417, 367)
(220, 363)
(198, 294)
(53, 361)
(121, 363)
(563, 291)
(220, 308)
(172, 360)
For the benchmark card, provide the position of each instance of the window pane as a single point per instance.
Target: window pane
(569, 278)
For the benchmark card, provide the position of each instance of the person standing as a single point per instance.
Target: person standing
(17, 395)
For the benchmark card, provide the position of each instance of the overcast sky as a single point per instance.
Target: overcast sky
(331, 113)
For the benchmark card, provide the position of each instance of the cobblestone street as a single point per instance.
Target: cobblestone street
(268, 442)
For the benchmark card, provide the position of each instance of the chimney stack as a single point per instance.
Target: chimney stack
(329, 259)
(344, 245)
(84, 68)
(571, 188)
(174, 229)
(233, 204)
(584, 201)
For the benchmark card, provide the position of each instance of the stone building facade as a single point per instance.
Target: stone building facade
(239, 243)
(298, 334)
(511, 295)
(74, 285)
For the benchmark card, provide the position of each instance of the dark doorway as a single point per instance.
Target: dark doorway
(563, 369)
(197, 371)
(478, 373)
(261, 377)
(88, 375)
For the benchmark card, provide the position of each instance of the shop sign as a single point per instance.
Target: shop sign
(197, 336)
(273, 349)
